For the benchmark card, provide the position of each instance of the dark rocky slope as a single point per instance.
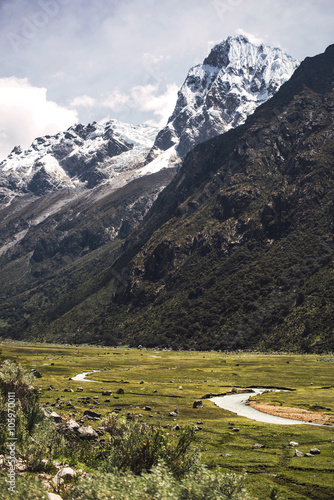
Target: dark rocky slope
(237, 252)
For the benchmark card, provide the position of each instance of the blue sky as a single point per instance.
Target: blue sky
(67, 61)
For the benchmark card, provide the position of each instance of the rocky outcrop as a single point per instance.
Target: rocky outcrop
(235, 78)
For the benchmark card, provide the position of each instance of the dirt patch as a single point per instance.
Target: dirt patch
(294, 413)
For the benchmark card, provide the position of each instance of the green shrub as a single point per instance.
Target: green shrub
(25, 489)
(138, 447)
(160, 484)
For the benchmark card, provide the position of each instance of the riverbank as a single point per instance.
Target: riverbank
(320, 418)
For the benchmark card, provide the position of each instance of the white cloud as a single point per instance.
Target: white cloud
(25, 113)
(145, 98)
(83, 101)
(252, 37)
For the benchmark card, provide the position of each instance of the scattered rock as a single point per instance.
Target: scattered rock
(141, 382)
(36, 373)
(180, 388)
(293, 443)
(50, 388)
(56, 418)
(92, 414)
(258, 445)
(147, 408)
(309, 455)
(298, 453)
(106, 393)
(197, 428)
(68, 389)
(53, 496)
(236, 429)
(87, 433)
(65, 475)
(101, 431)
(199, 422)
(315, 451)
(120, 391)
(79, 389)
(172, 414)
(176, 428)
(198, 404)
(225, 455)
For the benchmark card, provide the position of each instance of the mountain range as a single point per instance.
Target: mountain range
(229, 242)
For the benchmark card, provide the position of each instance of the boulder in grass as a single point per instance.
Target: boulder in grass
(315, 451)
(106, 393)
(258, 446)
(293, 443)
(56, 418)
(120, 391)
(298, 453)
(65, 475)
(87, 432)
(198, 404)
(92, 414)
(36, 373)
(53, 496)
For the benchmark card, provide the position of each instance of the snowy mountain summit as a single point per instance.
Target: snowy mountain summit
(81, 157)
(217, 95)
(235, 78)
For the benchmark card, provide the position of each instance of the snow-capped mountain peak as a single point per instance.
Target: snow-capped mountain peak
(235, 78)
(80, 156)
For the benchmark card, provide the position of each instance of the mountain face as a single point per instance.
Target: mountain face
(219, 94)
(74, 192)
(237, 251)
(70, 200)
(81, 157)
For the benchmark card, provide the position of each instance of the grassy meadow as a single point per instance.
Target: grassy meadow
(157, 382)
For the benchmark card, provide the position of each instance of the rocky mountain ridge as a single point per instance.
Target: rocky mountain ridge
(237, 252)
(219, 94)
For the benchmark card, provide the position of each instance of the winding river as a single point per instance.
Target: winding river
(81, 377)
(236, 403)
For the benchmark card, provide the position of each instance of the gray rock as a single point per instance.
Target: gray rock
(172, 414)
(92, 414)
(298, 453)
(65, 475)
(315, 451)
(87, 432)
(106, 393)
(225, 455)
(56, 418)
(79, 389)
(293, 443)
(147, 408)
(258, 445)
(68, 389)
(36, 373)
(198, 404)
(309, 455)
(53, 496)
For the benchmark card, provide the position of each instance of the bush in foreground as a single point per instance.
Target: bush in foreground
(160, 484)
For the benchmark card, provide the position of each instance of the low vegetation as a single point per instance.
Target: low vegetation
(153, 441)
